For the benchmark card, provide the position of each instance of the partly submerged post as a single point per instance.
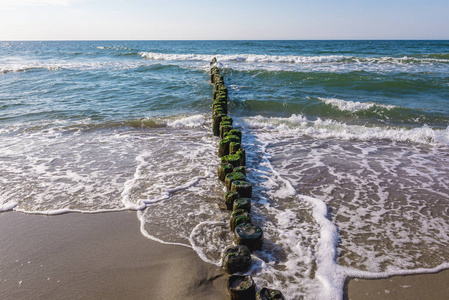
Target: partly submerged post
(249, 235)
(241, 287)
(236, 259)
(269, 294)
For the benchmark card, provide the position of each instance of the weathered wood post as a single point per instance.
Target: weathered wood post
(236, 259)
(241, 287)
(249, 235)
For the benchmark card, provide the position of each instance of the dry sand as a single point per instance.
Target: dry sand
(104, 256)
(97, 256)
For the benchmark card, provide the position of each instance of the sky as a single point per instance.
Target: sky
(223, 20)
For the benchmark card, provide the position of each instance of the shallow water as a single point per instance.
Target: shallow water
(346, 142)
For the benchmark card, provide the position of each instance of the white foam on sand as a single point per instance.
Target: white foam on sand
(8, 206)
(300, 251)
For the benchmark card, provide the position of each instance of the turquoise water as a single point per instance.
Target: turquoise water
(347, 146)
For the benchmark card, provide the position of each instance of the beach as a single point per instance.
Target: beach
(97, 256)
(346, 146)
(104, 256)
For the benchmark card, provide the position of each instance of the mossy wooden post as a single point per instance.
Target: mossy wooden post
(231, 138)
(227, 119)
(216, 123)
(237, 133)
(232, 177)
(221, 97)
(240, 169)
(232, 159)
(269, 294)
(242, 153)
(218, 111)
(220, 90)
(223, 170)
(244, 188)
(234, 147)
(227, 143)
(239, 216)
(219, 94)
(241, 287)
(223, 147)
(249, 235)
(236, 259)
(220, 104)
(230, 197)
(225, 126)
(242, 203)
(213, 61)
(218, 81)
(213, 71)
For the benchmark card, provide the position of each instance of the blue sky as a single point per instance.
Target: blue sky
(228, 19)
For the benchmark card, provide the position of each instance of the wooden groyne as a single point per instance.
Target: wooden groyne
(232, 171)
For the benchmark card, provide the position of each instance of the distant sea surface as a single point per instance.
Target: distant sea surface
(347, 148)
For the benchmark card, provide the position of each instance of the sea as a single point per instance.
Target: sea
(347, 146)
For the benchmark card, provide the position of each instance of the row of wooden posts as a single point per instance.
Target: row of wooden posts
(232, 171)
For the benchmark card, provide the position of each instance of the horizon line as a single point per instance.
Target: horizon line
(211, 40)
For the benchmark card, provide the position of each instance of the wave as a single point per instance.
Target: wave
(352, 106)
(319, 128)
(293, 59)
(88, 65)
(60, 126)
(444, 56)
(25, 68)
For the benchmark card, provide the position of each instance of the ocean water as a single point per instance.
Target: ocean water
(347, 148)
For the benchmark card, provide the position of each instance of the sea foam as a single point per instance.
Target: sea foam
(353, 106)
(319, 128)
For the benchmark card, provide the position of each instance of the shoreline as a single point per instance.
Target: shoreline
(92, 256)
(105, 255)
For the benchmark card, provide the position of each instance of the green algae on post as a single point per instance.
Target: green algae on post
(239, 216)
(217, 119)
(236, 259)
(244, 188)
(223, 147)
(269, 294)
(225, 126)
(249, 235)
(242, 203)
(241, 287)
(230, 197)
(241, 152)
(236, 132)
(223, 170)
(232, 177)
(233, 159)
(218, 111)
(222, 104)
(234, 147)
(227, 119)
(220, 94)
(240, 169)
(221, 90)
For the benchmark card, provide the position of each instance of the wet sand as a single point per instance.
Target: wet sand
(104, 256)
(97, 256)
(412, 287)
